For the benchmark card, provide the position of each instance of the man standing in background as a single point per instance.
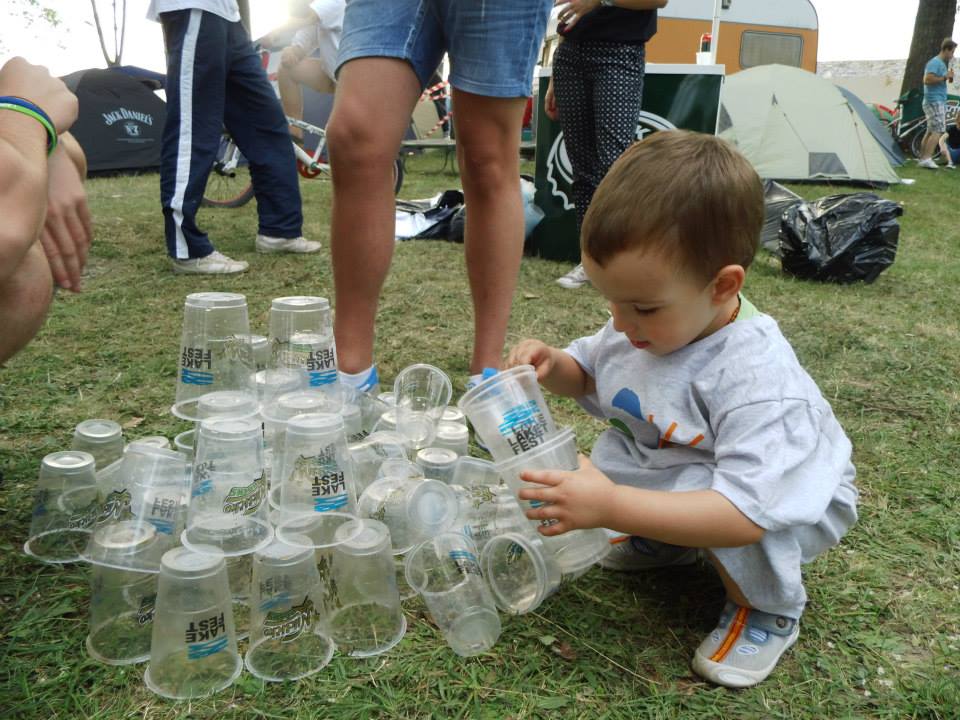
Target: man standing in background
(936, 75)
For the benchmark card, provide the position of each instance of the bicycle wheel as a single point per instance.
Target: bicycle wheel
(916, 142)
(229, 184)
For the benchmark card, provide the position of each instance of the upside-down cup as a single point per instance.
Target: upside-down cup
(437, 463)
(413, 509)
(65, 509)
(508, 412)
(369, 454)
(228, 496)
(421, 393)
(358, 587)
(193, 648)
(215, 350)
(301, 330)
(101, 438)
(227, 403)
(453, 436)
(445, 572)
(289, 635)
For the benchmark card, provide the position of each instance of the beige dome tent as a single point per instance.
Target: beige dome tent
(793, 125)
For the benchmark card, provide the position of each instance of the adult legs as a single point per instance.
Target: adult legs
(24, 301)
(310, 72)
(488, 151)
(372, 109)
(573, 89)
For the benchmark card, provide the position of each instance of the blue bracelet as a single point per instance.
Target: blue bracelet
(18, 104)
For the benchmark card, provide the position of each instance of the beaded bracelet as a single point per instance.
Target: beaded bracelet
(18, 104)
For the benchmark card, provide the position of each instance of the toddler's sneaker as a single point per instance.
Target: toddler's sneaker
(745, 646)
(297, 245)
(629, 553)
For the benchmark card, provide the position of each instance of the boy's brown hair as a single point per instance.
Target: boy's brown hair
(947, 45)
(689, 195)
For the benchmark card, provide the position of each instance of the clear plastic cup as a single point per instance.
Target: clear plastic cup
(421, 394)
(387, 397)
(575, 550)
(289, 636)
(446, 573)
(453, 414)
(239, 571)
(520, 571)
(437, 463)
(271, 384)
(101, 438)
(413, 509)
(315, 471)
(275, 413)
(508, 412)
(157, 441)
(228, 507)
(358, 587)
(478, 512)
(471, 471)
(121, 615)
(215, 350)
(370, 453)
(193, 649)
(66, 506)
(184, 442)
(387, 422)
(353, 422)
(453, 436)
(302, 333)
(227, 403)
(261, 351)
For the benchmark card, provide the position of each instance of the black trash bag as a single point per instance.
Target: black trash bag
(840, 238)
(438, 211)
(776, 199)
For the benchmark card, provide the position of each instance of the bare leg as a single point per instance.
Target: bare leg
(310, 72)
(488, 145)
(24, 301)
(929, 145)
(734, 593)
(371, 112)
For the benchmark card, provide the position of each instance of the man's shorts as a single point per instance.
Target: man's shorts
(493, 44)
(936, 114)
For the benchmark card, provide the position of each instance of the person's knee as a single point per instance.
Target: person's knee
(488, 168)
(24, 302)
(354, 142)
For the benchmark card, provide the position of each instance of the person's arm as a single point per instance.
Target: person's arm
(586, 498)
(67, 230)
(556, 369)
(573, 10)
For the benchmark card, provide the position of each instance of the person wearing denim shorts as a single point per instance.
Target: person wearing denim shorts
(387, 54)
(936, 74)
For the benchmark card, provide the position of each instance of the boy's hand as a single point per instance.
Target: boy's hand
(533, 352)
(577, 499)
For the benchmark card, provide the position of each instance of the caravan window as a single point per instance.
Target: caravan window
(765, 48)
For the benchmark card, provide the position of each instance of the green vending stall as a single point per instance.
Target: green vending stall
(674, 96)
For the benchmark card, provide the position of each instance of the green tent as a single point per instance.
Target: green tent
(795, 126)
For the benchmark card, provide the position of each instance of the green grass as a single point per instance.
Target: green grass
(881, 636)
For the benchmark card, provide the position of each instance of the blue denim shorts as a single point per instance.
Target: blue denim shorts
(492, 44)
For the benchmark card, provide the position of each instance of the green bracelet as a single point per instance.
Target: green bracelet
(27, 108)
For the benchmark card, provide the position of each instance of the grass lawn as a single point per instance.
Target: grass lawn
(881, 635)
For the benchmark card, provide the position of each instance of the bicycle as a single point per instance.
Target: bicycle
(229, 184)
(908, 125)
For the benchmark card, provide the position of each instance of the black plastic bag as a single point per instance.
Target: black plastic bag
(438, 211)
(776, 199)
(840, 238)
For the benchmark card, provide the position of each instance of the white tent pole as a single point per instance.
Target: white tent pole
(715, 31)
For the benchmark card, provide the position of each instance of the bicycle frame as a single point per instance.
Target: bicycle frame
(312, 162)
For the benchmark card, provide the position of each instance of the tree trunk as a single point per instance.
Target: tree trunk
(934, 23)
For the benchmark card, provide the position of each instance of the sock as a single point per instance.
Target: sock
(363, 380)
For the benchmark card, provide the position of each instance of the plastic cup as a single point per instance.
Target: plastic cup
(387, 397)
(101, 438)
(453, 436)
(193, 649)
(301, 330)
(184, 442)
(228, 507)
(520, 571)
(575, 550)
(437, 463)
(387, 422)
(421, 394)
(227, 404)
(370, 453)
(478, 512)
(412, 508)
(121, 615)
(446, 573)
(276, 412)
(453, 414)
(157, 441)
(66, 504)
(289, 638)
(358, 587)
(508, 412)
(471, 471)
(261, 351)
(239, 569)
(215, 350)
(353, 422)
(316, 474)
(271, 384)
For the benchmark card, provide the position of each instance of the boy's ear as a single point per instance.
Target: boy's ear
(727, 283)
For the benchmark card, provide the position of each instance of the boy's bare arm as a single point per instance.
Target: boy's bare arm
(586, 498)
(556, 370)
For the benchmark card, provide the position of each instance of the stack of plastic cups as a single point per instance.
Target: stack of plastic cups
(453, 436)
(193, 649)
(228, 498)
(437, 463)
(369, 454)
(65, 509)
(421, 393)
(315, 471)
(271, 385)
(301, 330)
(215, 351)
(445, 572)
(358, 590)
(509, 414)
(219, 403)
(101, 438)
(239, 571)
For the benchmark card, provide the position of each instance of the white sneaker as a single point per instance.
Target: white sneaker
(928, 163)
(216, 263)
(574, 279)
(299, 245)
(950, 166)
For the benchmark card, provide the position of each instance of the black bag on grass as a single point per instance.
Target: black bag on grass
(840, 238)
(776, 199)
